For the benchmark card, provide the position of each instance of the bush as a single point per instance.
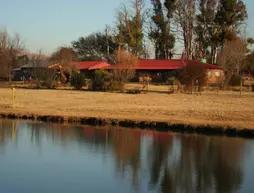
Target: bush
(45, 78)
(235, 80)
(101, 80)
(78, 80)
(193, 74)
(171, 80)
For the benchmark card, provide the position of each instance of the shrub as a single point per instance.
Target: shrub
(77, 80)
(194, 73)
(235, 80)
(101, 80)
(45, 78)
(171, 80)
(123, 69)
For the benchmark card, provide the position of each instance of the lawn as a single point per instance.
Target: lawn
(224, 109)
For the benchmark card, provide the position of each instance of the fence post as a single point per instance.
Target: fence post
(13, 97)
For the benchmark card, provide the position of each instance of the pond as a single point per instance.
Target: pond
(50, 158)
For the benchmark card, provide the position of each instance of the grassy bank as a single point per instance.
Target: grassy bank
(225, 109)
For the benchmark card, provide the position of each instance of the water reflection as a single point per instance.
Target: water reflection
(8, 131)
(148, 161)
(203, 165)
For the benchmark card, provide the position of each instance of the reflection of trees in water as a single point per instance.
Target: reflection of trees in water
(55, 133)
(158, 156)
(8, 131)
(95, 138)
(125, 144)
(182, 163)
(204, 165)
(126, 148)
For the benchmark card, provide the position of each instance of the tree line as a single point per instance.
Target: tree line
(206, 29)
(212, 31)
(201, 26)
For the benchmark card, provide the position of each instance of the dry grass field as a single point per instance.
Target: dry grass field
(223, 109)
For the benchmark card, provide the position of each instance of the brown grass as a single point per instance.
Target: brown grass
(223, 109)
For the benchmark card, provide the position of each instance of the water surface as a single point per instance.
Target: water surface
(49, 158)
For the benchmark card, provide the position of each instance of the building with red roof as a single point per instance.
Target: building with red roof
(155, 65)
(159, 70)
(142, 65)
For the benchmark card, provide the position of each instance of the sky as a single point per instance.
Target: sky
(48, 24)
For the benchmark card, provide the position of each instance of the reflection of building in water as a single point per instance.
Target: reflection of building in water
(160, 161)
(8, 131)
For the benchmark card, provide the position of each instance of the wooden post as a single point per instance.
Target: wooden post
(241, 86)
(13, 97)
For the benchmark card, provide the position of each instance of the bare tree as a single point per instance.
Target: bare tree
(233, 58)
(10, 48)
(123, 70)
(4, 55)
(62, 61)
(42, 75)
(64, 56)
(184, 20)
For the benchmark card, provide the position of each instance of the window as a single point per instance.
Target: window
(217, 74)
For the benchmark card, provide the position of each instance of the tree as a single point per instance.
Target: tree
(64, 56)
(160, 33)
(250, 41)
(231, 14)
(78, 80)
(193, 74)
(232, 57)
(218, 21)
(95, 46)
(124, 68)
(101, 80)
(184, 18)
(43, 76)
(10, 48)
(206, 30)
(130, 27)
(249, 63)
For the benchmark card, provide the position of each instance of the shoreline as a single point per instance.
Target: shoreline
(161, 126)
(211, 113)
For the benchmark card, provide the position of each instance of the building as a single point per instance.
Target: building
(26, 72)
(158, 70)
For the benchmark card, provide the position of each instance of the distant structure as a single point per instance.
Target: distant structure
(158, 70)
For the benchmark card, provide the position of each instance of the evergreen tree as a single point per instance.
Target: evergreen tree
(95, 46)
(130, 28)
(231, 14)
(207, 36)
(218, 21)
(160, 33)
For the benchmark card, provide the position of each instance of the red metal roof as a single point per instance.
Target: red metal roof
(143, 64)
(207, 66)
(159, 65)
(101, 65)
(149, 64)
(91, 65)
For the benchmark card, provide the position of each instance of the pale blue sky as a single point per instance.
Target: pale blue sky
(48, 24)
